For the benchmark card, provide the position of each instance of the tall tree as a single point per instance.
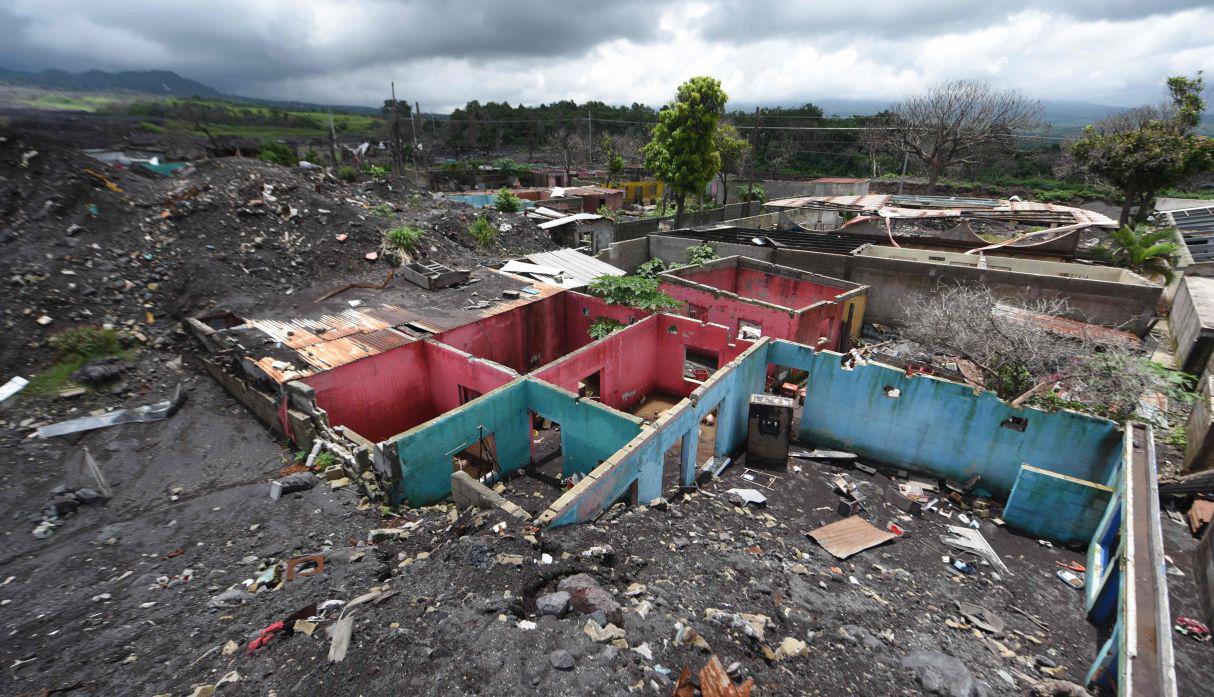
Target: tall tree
(951, 123)
(682, 151)
(735, 151)
(1149, 148)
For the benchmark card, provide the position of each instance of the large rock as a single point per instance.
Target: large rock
(588, 597)
(941, 674)
(554, 604)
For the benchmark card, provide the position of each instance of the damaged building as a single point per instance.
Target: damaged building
(421, 408)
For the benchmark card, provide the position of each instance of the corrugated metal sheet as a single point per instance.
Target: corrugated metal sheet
(893, 206)
(1074, 328)
(577, 269)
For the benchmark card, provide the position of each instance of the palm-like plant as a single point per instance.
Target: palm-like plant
(1143, 250)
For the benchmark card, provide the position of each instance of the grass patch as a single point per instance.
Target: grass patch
(404, 238)
(383, 210)
(324, 460)
(76, 347)
(483, 231)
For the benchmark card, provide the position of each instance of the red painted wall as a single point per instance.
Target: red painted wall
(581, 310)
(378, 396)
(626, 361)
(782, 290)
(449, 369)
(728, 311)
(522, 338)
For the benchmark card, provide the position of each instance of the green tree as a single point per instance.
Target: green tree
(615, 160)
(683, 151)
(1148, 149)
(634, 291)
(1143, 250)
(735, 151)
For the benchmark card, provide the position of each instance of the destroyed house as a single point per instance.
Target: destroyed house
(756, 298)
(664, 400)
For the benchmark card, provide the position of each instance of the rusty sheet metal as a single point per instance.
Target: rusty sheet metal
(846, 537)
(1067, 327)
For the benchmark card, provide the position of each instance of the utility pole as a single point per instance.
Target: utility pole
(397, 160)
(590, 138)
(332, 140)
(413, 130)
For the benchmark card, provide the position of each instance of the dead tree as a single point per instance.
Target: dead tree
(568, 146)
(1021, 358)
(952, 123)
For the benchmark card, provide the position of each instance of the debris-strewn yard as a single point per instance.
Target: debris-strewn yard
(136, 597)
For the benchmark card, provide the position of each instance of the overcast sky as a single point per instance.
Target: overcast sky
(779, 51)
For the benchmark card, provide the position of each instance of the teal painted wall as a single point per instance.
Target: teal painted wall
(590, 431)
(942, 427)
(1056, 508)
(424, 453)
(643, 462)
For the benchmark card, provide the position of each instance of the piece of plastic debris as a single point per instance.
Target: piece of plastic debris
(1070, 578)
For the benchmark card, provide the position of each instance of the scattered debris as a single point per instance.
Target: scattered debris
(846, 537)
(150, 412)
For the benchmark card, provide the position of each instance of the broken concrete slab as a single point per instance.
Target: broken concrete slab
(470, 493)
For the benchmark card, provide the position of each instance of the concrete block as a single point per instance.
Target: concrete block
(468, 492)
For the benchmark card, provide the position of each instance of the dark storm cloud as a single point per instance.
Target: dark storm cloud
(750, 20)
(234, 43)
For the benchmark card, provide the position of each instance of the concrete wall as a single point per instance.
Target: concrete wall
(1130, 306)
(1199, 429)
(1055, 507)
(943, 427)
(673, 250)
(1192, 323)
(627, 255)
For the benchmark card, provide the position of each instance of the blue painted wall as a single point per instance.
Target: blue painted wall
(425, 452)
(941, 426)
(644, 458)
(1054, 507)
(590, 431)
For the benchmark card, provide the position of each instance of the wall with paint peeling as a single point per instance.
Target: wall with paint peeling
(785, 303)
(943, 427)
(590, 432)
(637, 469)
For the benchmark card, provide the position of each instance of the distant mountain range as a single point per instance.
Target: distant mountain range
(161, 82)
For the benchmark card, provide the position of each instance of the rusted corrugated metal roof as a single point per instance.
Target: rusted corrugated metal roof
(1064, 326)
(890, 206)
(333, 340)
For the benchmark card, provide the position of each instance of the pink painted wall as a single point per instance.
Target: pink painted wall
(776, 289)
(643, 358)
(782, 290)
(626, 361)
(581, 310)
(704, 339)
(522, 338)
(450, 368)
(378, 396)
(728, 311)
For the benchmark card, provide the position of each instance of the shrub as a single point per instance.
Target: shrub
(634, 291)
(347, 173)
(278, 153)
(324, 460)
(507, 202)
(403, 238)
(752, 192)
(603, 326)
(700, 253)
(375, 171)
(483, 231)
(311, 155)
(651, 268)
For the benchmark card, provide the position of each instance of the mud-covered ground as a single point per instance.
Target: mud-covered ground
(100, 606)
